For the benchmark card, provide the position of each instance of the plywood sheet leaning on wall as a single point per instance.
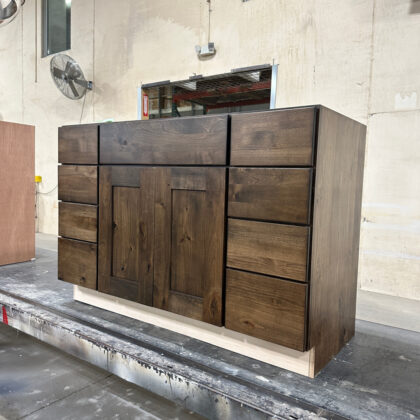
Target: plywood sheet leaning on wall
(17, 192)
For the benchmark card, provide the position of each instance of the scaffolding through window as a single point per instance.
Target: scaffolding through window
(246, 89)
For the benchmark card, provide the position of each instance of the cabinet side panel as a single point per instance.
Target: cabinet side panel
(336, 230)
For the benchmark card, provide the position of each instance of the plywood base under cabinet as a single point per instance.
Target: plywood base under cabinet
(274, 354)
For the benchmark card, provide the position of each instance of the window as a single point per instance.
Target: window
(243, 89)
(56, 17)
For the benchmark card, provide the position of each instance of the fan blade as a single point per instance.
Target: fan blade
(73, 89)
(68, 68)
(58, 73)
(83, 83)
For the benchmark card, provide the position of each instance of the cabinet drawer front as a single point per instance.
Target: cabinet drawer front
(267, 308)
(273, 138)
(78, 184)
(281, 195)
(78, 221)
(78, 144)
(77, 262)
(178, 141)
(268, 248)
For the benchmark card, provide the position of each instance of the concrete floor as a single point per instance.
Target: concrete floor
(38, 381)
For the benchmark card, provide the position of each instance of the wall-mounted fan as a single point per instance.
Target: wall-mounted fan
(9, 9)
(68, 76)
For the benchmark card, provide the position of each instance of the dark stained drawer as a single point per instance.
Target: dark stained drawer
(267, 308)
(273, 138)
(268, 248)
(78, 144)
(175, 141)
(78, 184)
(77, 262)
(272, 194)
(78, 221)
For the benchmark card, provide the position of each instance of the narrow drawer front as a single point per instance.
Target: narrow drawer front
(78, 184)
(78, 221)
(281, 195)
(268, 248)
(78, 144)
(273, 138)
(267, 308)
(178, 141)
(77, 262)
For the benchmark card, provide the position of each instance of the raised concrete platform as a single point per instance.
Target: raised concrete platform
(375, 376)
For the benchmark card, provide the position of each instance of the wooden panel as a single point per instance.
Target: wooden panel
(186, 305)
(268, 248)
(188, 237)
(189, 246)
(78, 221)
(273, 138)
(77, 262)
(178, 141)
(126, 232)
(17, 192)
(78, 144)
(336, 229)
(270, 194)
(125, 244)
(267, 308)
(78, 184)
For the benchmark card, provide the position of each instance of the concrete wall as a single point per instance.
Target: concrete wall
(359, 57)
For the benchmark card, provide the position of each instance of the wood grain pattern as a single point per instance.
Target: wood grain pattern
(268, 248)
(281, 137)
(267, 308)
(17, 192)
(78, 184)
(186, 305)
(126, 232)
(185, 197)
(78, 144)
(188, 237)
(77, 262)
(177, 141)
(271, 194)
(78, 221)
(125, 249)
(336, 229)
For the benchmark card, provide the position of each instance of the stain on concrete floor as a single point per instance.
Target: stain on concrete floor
(38, 381)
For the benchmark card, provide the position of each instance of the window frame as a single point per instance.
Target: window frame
(45, 29)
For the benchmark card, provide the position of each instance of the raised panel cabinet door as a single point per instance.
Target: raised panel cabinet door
(189, 242)
(125, 255)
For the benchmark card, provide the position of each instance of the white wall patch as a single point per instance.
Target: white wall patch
(405, 101)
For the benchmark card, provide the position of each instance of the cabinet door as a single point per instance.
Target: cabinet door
(126, 206)
(189, 242)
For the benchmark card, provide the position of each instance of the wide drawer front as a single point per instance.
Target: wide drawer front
(268, 248)
(273, 138)
(77, 262)
(78, 184)
(267, 308)
(271, 194)
(78, 221)
(178, 141)
(78, 144)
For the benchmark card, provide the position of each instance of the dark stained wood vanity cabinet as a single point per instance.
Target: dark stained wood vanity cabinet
(249, 221)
